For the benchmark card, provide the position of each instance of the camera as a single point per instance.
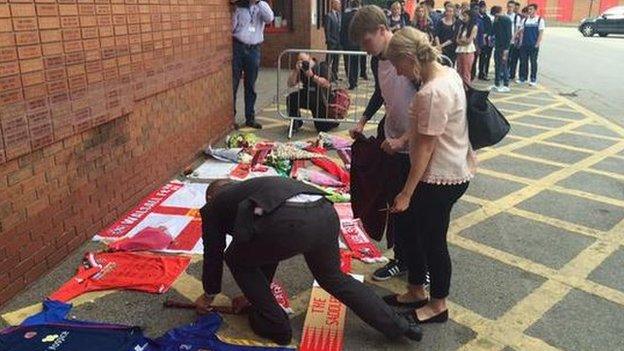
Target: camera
(244, 3)
(305, 66)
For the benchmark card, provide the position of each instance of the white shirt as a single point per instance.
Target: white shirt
(516, 24)
(535, 21)
(398, 93)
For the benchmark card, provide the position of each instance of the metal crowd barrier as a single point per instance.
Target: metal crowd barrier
(316, 107)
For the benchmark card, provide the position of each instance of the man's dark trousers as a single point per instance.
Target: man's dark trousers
(246, 59)
(310, 229)
(501, 72)
(514, 56)
(333, 60)
(528, 54)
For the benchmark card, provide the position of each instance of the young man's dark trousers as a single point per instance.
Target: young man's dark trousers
(500, 68)
(484, 61)
(514, 56)
(310, 229)
(246, 59)
(528, 54)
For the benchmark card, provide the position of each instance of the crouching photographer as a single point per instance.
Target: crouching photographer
(314, 93)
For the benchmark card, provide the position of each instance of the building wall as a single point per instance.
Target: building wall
(56, 194)
(303, 36)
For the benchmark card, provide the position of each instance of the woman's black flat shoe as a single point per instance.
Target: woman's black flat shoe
(439, 318)
(394, 302)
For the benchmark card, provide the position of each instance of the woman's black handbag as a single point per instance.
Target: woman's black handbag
(486, 124)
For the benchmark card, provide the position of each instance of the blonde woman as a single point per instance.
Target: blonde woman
(422, 21)
(442, 165)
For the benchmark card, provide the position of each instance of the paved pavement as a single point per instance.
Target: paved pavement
(590, 69)
(536, 245)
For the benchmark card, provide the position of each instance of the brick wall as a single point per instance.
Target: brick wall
(58, 196)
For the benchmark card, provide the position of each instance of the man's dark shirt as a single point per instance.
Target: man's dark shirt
(502, 32)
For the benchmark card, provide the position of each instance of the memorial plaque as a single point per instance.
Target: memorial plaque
(104, 20)
(106, 31)
(36, 104)
(49, 36)
(93, 55)
(27, 38)
(47, 10)
(49, 23)
(91, 44)
(71, 34)
(89, 33)
(31, 65)
(119, 20)
(6, 25)
(29, 52)
(94, 66)
(75, 70)
(5, 11)
(58, 87)
(86, 9)
(75, 58)
(54, 61)
(72, 46)
(103, 9)
(23, 10)
(55, 74)
(59, 98)
(35, 91)
(10, 83)
(8, 97)
(68, 9)
(24, 23)
(88, 21)
(8, 54)
(70, 22)
(121, 30)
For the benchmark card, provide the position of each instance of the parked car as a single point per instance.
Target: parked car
(610, 22)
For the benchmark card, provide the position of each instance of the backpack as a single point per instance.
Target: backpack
(339, 104)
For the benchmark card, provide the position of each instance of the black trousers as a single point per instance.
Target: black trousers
(352, 67)
(312, 101)
(312, 230)
(528, 54)
(425, 245)
(401, 222)
(484, 61)
(514, 56)
(333, 60)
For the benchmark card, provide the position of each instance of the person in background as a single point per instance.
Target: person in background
(396, 20)
(248, 23)
(466, 49)
(352, 62)
(532, 32)
(434, 15)
(422, 21)
(485, 42)
(502, 29)
(442, 165)
(446, 33)
(474, 6)
(395, 93)
(514, 48)
(315, 88)
(333, 23)
(459, 8)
